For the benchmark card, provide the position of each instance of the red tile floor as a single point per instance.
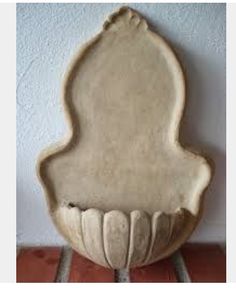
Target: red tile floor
(203, 262)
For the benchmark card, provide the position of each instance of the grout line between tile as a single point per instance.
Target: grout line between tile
(180, 268)
(122, 276)
(64, 265)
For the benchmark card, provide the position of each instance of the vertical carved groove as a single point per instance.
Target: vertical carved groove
(116, 238)
(92, 232)
(140, 231)
(103, 245)
(129, 238)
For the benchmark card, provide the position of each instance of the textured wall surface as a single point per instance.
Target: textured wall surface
(48, 35)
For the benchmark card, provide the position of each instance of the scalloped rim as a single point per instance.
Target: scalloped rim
(118, 240)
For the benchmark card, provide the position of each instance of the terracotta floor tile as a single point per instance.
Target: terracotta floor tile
(205, 262)
(162, 271)
(83, 270)
(37, 264)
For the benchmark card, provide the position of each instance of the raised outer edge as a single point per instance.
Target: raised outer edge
(58, 147)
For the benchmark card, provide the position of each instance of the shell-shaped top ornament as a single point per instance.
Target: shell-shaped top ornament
(120, 188)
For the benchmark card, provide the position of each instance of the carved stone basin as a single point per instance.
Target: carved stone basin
(120, 188)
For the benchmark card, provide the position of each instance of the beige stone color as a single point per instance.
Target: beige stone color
(120, 187)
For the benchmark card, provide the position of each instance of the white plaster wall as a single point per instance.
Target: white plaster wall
(47, 37)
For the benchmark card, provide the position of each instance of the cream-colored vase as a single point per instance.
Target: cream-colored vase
(120, 188)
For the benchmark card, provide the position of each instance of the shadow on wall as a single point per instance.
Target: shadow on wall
(189, 132)
(190, 135)
(195, 111)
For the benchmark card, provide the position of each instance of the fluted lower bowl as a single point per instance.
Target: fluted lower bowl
(117, 240)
